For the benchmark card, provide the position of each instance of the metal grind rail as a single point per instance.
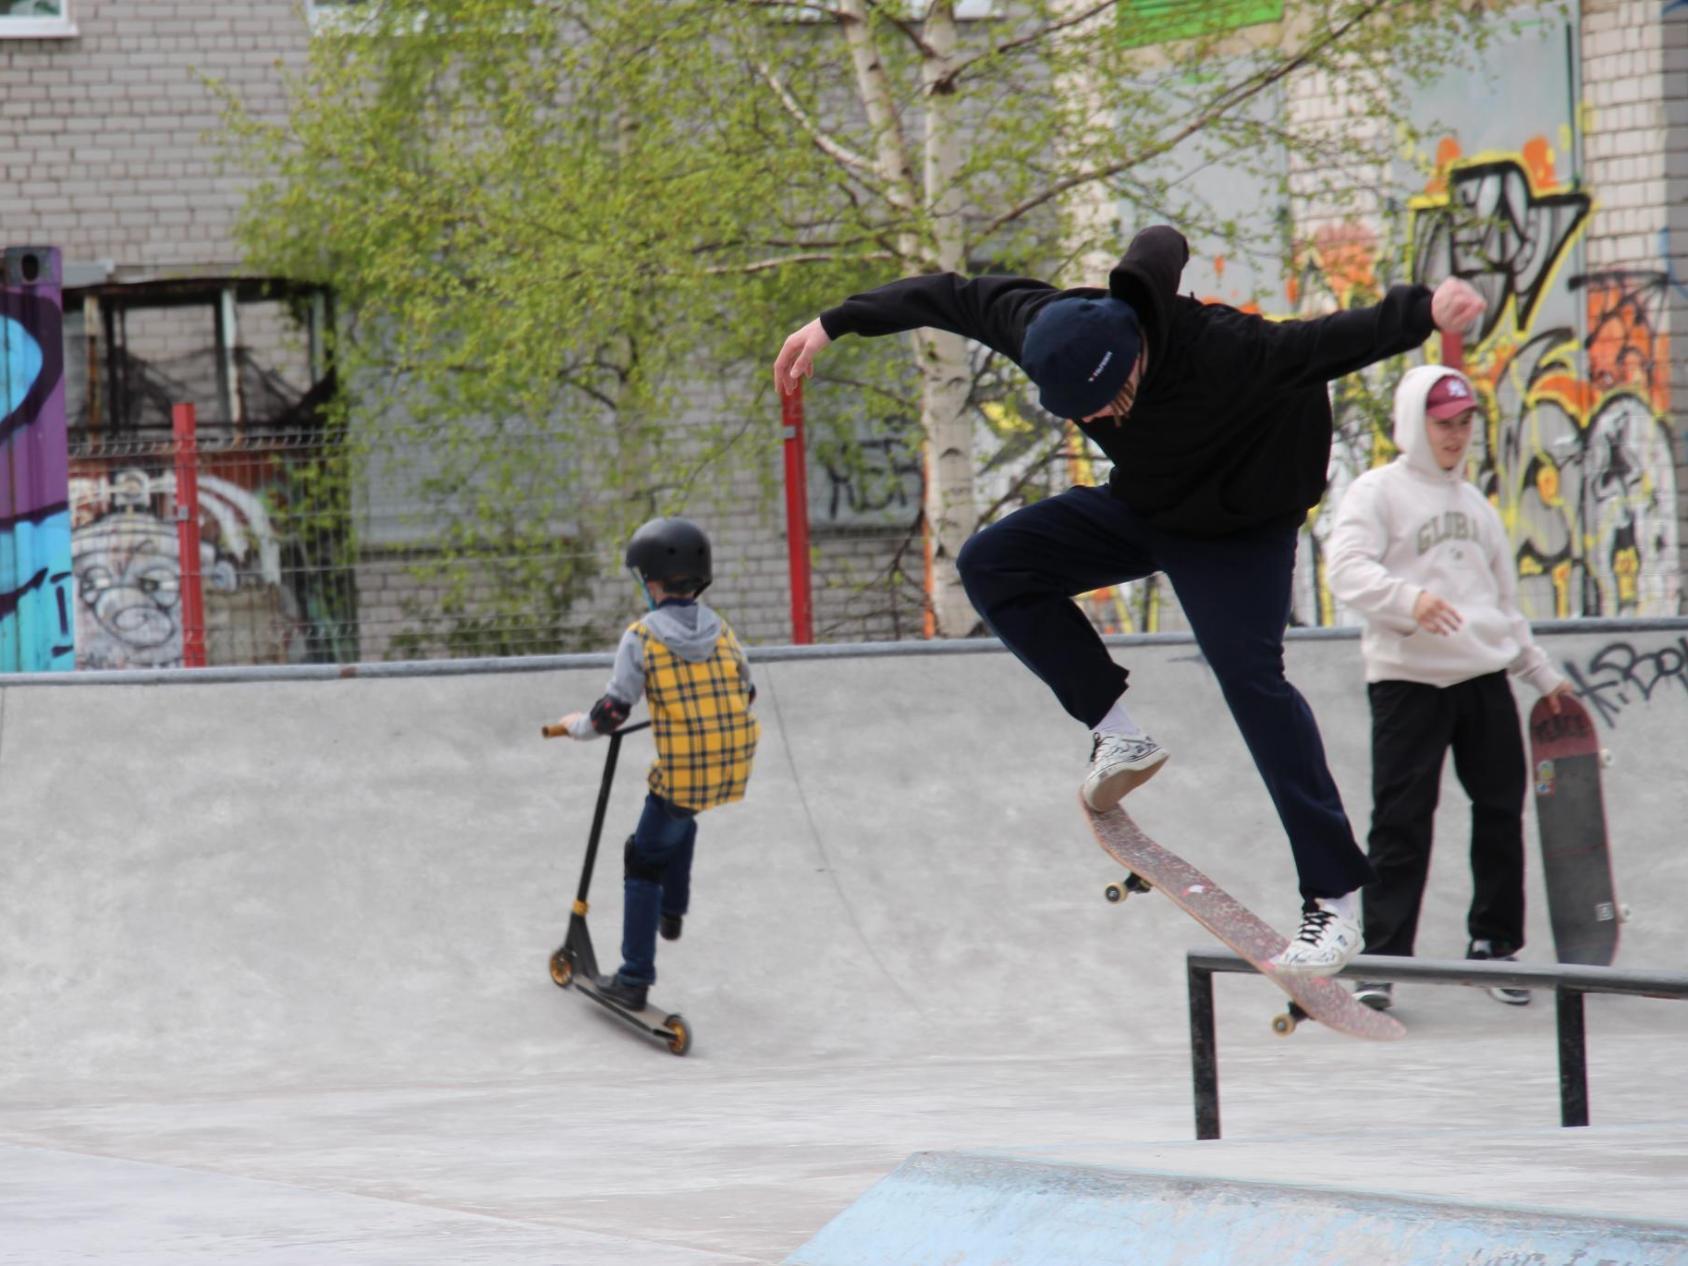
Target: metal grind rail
(1567, 981)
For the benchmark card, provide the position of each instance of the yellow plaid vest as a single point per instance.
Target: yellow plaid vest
(705, 731)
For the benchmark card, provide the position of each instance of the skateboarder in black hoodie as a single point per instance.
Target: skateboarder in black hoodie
(1218, 423)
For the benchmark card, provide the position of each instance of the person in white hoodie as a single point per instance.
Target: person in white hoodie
(1420, 553)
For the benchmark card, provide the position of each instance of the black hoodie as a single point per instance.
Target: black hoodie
(1231, 427)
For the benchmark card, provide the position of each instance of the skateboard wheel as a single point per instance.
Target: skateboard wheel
(1623, 914)
(1283, 1024)
(1115, 893)
(562, 971)
(1606, 758)
(680, 1040)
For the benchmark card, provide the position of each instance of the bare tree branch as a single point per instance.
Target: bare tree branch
(834, 150)
(1033, 468)
(907, 28)
(1227, 100)
(811, 257)
(807, 6)
(947, 82)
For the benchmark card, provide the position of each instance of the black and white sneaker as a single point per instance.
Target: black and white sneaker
(1118, 766)
(1509, 994)
(1324, 945)
(1379, 995)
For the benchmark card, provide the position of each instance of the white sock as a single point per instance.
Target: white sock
(1119, 722)
(1347, 905)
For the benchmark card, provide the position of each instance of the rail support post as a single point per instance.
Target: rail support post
(1204, 1052)
(1573, 1057)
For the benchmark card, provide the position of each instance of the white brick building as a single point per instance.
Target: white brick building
(110, 154)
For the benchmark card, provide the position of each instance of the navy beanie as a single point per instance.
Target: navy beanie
(1079, 352)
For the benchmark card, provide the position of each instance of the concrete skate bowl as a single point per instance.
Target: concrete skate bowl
(310, 879)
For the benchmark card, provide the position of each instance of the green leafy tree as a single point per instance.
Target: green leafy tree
(548, 222)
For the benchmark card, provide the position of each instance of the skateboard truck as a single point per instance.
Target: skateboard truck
(1283, 1024)
(1121, 889)
(574, 962)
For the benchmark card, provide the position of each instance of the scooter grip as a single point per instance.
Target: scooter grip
(554, 731)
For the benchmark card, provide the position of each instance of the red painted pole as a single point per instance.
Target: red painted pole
(1453, 350)
(187, 535)
(797, 516)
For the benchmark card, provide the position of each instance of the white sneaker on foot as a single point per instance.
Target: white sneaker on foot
(1323, 946)
(1119, 765)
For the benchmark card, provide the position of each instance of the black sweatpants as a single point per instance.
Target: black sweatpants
(1413, 727)
(1022, 573)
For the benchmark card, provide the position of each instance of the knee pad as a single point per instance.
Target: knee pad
(634, 866)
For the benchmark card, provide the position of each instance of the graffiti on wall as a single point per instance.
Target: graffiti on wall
(874, 481)
(127, 564)
(1622, 675)
(36, 630)
(1575, 451)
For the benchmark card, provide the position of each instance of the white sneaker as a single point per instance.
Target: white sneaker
(1119, 765)
(1323, 946)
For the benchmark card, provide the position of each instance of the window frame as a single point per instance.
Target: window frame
(63, 26)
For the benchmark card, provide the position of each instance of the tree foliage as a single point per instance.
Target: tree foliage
(552, 224)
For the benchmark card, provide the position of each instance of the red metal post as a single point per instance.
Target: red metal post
(797, 516)
(192, 595)
(1453, 350)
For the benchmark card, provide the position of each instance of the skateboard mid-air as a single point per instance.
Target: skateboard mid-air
(1582, 902)
(1150, 867)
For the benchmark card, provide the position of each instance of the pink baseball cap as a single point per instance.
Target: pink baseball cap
(1450, 395)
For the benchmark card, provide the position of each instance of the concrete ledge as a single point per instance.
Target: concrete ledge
(963, 1209)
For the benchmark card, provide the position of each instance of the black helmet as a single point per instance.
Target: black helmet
(671, 551)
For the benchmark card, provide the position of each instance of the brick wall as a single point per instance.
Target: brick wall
(104, 152)
(1635, 146)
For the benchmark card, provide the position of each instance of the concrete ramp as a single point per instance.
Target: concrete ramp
(273, 954)
(281, 882)
(956, 1209)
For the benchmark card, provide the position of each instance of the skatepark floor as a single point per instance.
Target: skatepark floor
(276, 976)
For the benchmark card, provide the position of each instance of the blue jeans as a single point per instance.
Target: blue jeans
(1023, 572)
(658, 881)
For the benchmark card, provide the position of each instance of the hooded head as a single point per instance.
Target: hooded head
(1428, 395)
(1079, 351)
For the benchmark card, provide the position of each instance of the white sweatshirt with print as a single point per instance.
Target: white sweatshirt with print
(1412, 527)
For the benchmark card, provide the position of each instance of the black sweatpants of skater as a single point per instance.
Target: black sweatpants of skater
(1413, 728)
(1023, 572)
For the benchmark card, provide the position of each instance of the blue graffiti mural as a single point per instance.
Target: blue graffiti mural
(37, 621)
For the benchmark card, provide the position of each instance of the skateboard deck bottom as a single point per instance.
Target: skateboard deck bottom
(1582, 901)
(1236, 926)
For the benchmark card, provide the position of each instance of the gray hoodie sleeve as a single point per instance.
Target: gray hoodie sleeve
(626, 685)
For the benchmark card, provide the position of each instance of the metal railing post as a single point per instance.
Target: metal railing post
(1573, 1057)
(1204, 1053)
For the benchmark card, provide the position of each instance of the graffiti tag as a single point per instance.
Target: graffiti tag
(1620, 675)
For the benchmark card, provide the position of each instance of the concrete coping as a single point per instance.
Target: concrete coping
(757, 654)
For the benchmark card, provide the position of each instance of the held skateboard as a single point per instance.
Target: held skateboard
(1565, 761)
(1149, 866)
(573, 963)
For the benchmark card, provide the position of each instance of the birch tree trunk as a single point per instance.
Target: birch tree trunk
(947, 423)
(947, 441)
